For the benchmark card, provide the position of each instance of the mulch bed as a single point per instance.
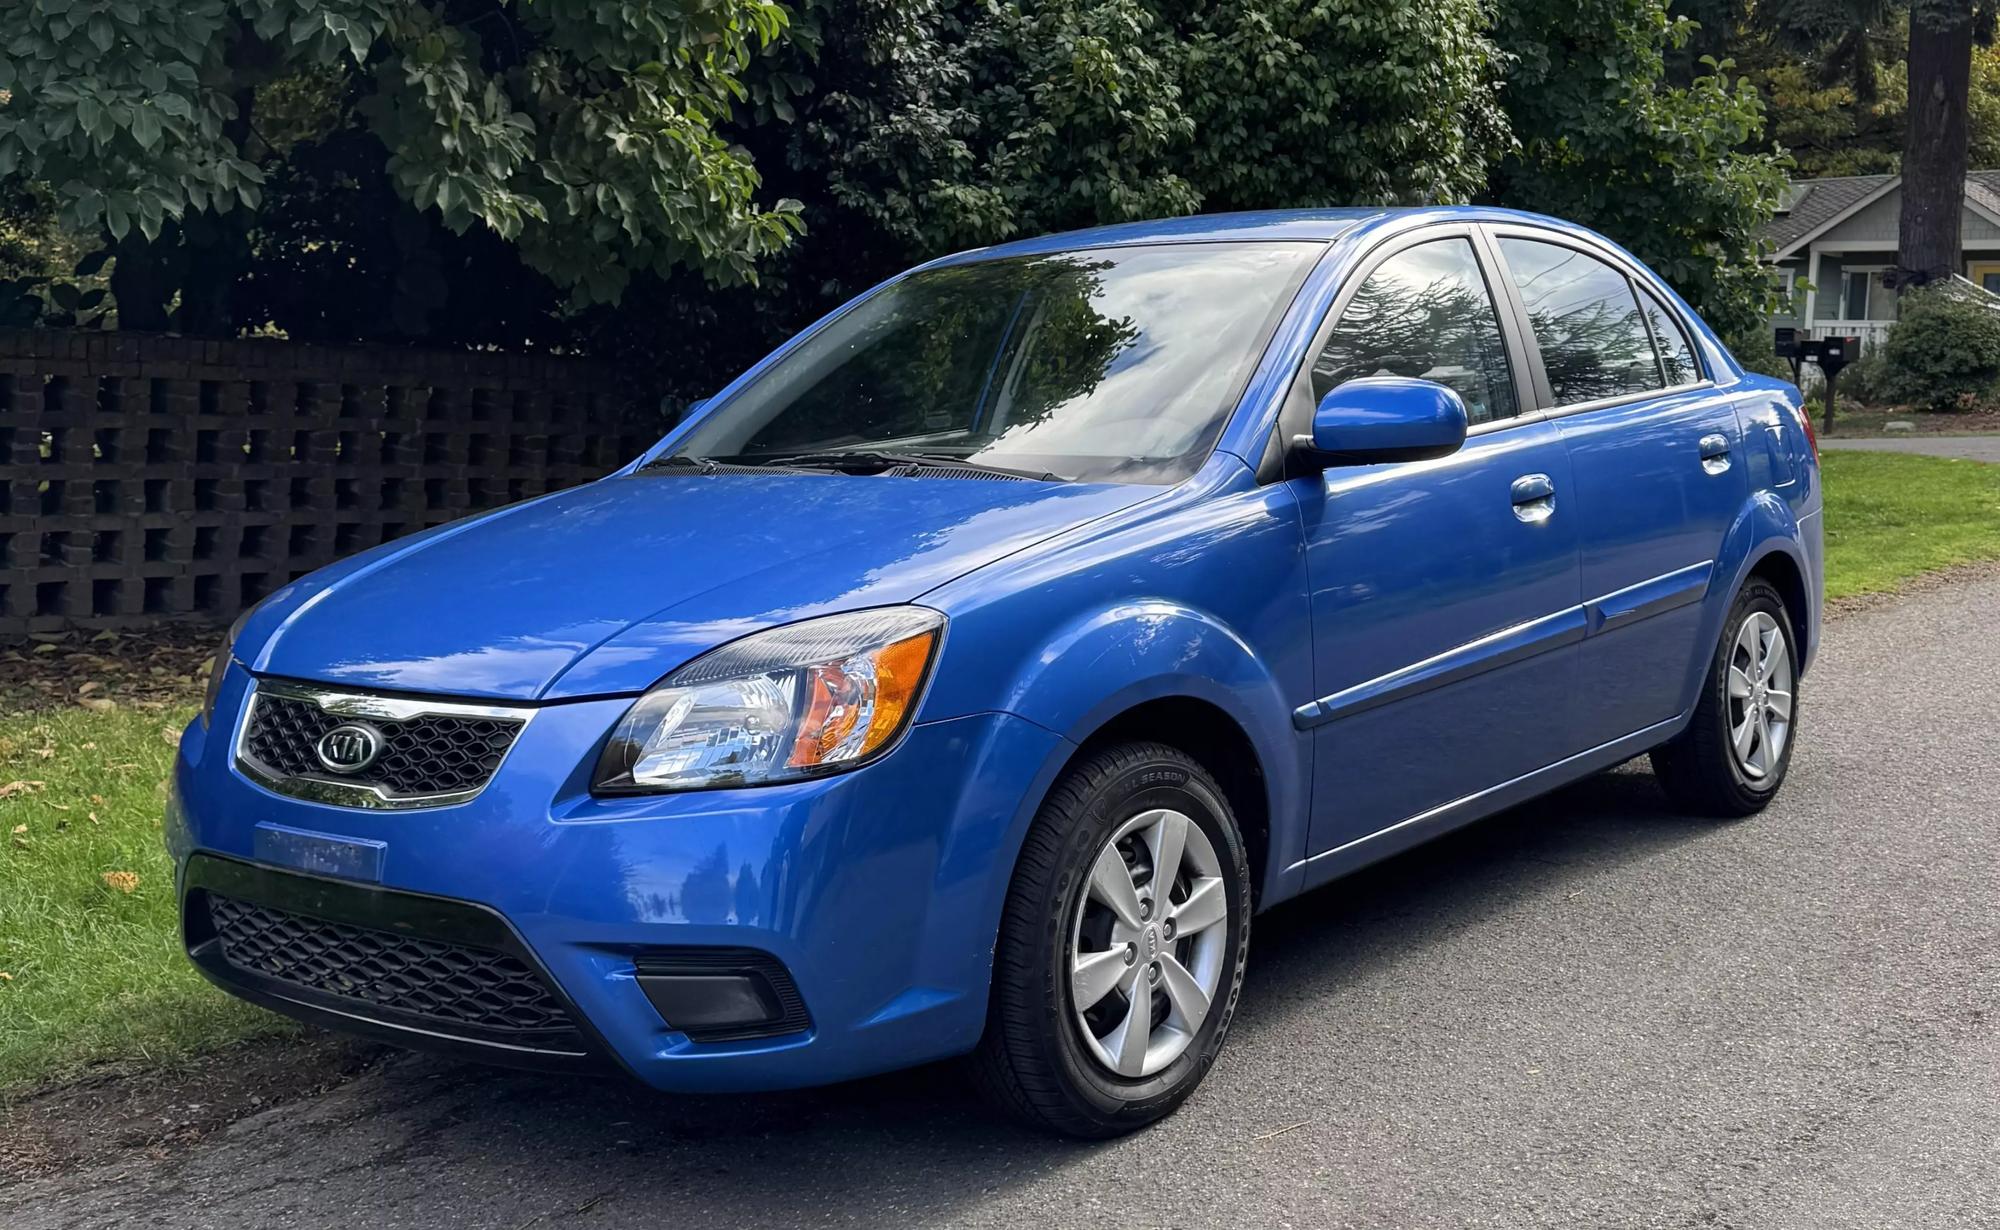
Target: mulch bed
(146, 669)
(1852, 422)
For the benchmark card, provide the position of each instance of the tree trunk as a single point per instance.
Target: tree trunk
(218, 249)
(140, 284)
(1936, 146)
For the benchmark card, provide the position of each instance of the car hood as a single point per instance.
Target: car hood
(604, 588)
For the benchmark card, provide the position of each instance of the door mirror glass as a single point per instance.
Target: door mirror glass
(1387, 418)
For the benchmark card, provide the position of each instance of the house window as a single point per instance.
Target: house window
(1854, 294)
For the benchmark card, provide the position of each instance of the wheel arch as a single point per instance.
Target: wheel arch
(1763, 541)
(1168, 673)
(1210, 737)
(1766, 540)
(1784, 573)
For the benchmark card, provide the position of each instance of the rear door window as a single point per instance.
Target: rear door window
(1595, 344)
(1676, 355)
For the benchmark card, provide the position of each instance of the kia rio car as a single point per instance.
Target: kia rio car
(963, 678)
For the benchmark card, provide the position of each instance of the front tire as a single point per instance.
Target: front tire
(1734, 754)
(1121, 949)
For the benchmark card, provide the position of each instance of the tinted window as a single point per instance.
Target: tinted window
(1594, 344)
(1676, 355)
(1104, 364)
(1424, 312)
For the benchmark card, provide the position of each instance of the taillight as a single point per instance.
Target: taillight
(1805, 421)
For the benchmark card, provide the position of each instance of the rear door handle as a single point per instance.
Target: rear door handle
(1534, 497)
(1715, 453)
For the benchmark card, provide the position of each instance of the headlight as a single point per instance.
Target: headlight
(219, 666)
(801, 701)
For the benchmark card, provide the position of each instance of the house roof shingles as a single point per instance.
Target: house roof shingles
(1815, 202)
(1819, 200)
(1984, 188)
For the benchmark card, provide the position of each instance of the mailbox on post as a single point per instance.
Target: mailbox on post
(1831, 353)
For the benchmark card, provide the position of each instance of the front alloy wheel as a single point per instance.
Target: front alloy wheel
(1147, 950)
(1121, 948)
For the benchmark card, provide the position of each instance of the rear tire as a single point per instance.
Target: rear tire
(1733, 756)
(1168, 956)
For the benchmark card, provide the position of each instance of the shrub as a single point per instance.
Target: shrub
(1757, 350)
(1869, 380)
(1945, 350)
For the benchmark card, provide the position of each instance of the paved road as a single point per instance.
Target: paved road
(1588, 1012)
(1971, 448)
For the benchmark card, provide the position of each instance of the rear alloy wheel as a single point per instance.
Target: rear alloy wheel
(1732, 757)
(1760, 697)
(1121, 950)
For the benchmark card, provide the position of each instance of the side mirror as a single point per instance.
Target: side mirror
(1385, 418)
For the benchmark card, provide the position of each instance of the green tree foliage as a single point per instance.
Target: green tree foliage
(909, 128)
(1013, 118)
(584, 132)
(726, 170)
(1607, 140)
(1833, 124)
(1843, 39)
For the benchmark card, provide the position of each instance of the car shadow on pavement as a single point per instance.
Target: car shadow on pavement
(480, 1147)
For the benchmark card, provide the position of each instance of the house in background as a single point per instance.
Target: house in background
(1836, 238)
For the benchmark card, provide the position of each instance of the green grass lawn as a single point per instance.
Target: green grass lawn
(92, 971)
(1893, 516)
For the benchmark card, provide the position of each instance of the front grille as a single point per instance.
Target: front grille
(452, 985)
(423, 754)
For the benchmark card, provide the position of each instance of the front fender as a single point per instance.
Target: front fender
(1200, 595)
(1117, 658)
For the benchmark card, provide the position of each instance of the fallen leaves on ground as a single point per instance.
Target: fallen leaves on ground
(140, 669)
(13, 788)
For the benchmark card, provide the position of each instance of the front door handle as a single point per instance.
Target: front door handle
(1534, 497)
(1715, 453)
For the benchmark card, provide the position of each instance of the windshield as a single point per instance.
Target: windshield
(1108, 364)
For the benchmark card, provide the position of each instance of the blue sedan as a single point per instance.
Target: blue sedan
(965, 677)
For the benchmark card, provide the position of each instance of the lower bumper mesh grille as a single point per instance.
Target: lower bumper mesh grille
(451, 985)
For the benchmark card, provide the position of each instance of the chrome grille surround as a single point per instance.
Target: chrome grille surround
(395, 710)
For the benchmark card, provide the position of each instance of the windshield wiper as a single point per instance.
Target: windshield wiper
(874, 461)
(700, 465)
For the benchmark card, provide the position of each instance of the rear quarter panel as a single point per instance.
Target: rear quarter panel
(1785, 511)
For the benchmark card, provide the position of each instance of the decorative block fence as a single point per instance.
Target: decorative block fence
(146, 478)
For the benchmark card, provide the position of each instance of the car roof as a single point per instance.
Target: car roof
(1319, 225)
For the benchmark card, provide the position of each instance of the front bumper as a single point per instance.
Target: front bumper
(878, 892)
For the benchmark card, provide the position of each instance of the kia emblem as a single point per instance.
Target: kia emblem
(349, 748)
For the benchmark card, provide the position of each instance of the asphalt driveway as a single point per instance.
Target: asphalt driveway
(1587, 1012)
